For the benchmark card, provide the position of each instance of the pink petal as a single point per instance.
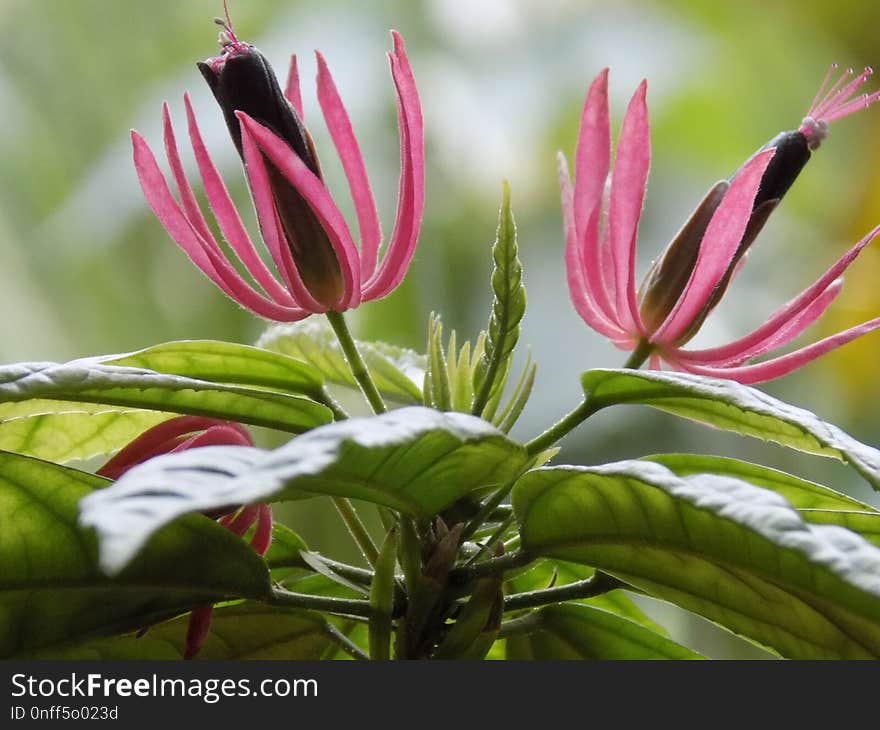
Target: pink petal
(223, 435)
(579, 285)
(240, 522)
(627, 195)
(262, 536)
(411, 196)
(198, 629)
(593, 152)
(786, 313)
(190, 207)
(592, 159)
(204, 254)
(228, 219)
(736, 354)
(292, 91)
(270, 225)
(779, 366)
(312, 190)
(159, 439)
(719, 244)
(346, 145)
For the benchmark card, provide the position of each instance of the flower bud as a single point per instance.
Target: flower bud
(242, 80)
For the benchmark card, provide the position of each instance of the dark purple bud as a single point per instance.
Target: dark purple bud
(242, 79)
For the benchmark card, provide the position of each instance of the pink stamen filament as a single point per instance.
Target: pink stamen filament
(854, 105)
(814, 103)
(829, 97)
(831, 106)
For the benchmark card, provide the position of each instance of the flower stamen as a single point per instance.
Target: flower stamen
(835, 103)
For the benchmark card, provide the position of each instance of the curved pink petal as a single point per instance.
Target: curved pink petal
(579, 285)
(717, 249)
(197, 630)
(593, 151)
(346, 145)
(783, 365)
(316, 196)
(262, 536)
(270, 225)
(159, 439)
(204, 254)
(240, 522)
(592, 160)
(791, 309)
(227, 216)
(411, 197)
(736, 354)
(223, 435)
(628, 182)
(291, 90)
(187, 198)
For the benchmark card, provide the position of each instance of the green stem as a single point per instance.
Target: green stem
(344, 643)
(357, 529)
(595, 585)
(489, 542)
(487, 508)
(564, 426)
(639, 355)
(461, 576)
(353, 573)
(324, 397)
(356, 362)
(520, 624)
(330, 604)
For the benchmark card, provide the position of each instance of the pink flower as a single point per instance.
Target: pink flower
(189, 432)
(601, 215)
(317, 266)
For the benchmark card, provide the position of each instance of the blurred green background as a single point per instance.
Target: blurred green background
(85, 269)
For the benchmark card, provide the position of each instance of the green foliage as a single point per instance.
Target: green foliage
(739, 555)
(40, 402)
(240, 631)
(414, 460)
(508, 308)
(52, 592)
(584, 632)
(733, 407)
(396, 371)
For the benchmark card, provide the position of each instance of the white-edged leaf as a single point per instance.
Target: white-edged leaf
(414, 459)
(737, 554)
(397, 372)
(733, 407)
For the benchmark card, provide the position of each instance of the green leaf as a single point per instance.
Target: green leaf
(733, 407)
(866, 524)
(225, 362)
(803, 494)
(578, 631)
(437, 393)
(52, 592)
(285, 548)
(560, 573)
(415, 460)
(47, 410)
(508, 308)
(240, 631)
(382, 599)
(397, 372)
(732, 552)
(65, 431)
(518, 399)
